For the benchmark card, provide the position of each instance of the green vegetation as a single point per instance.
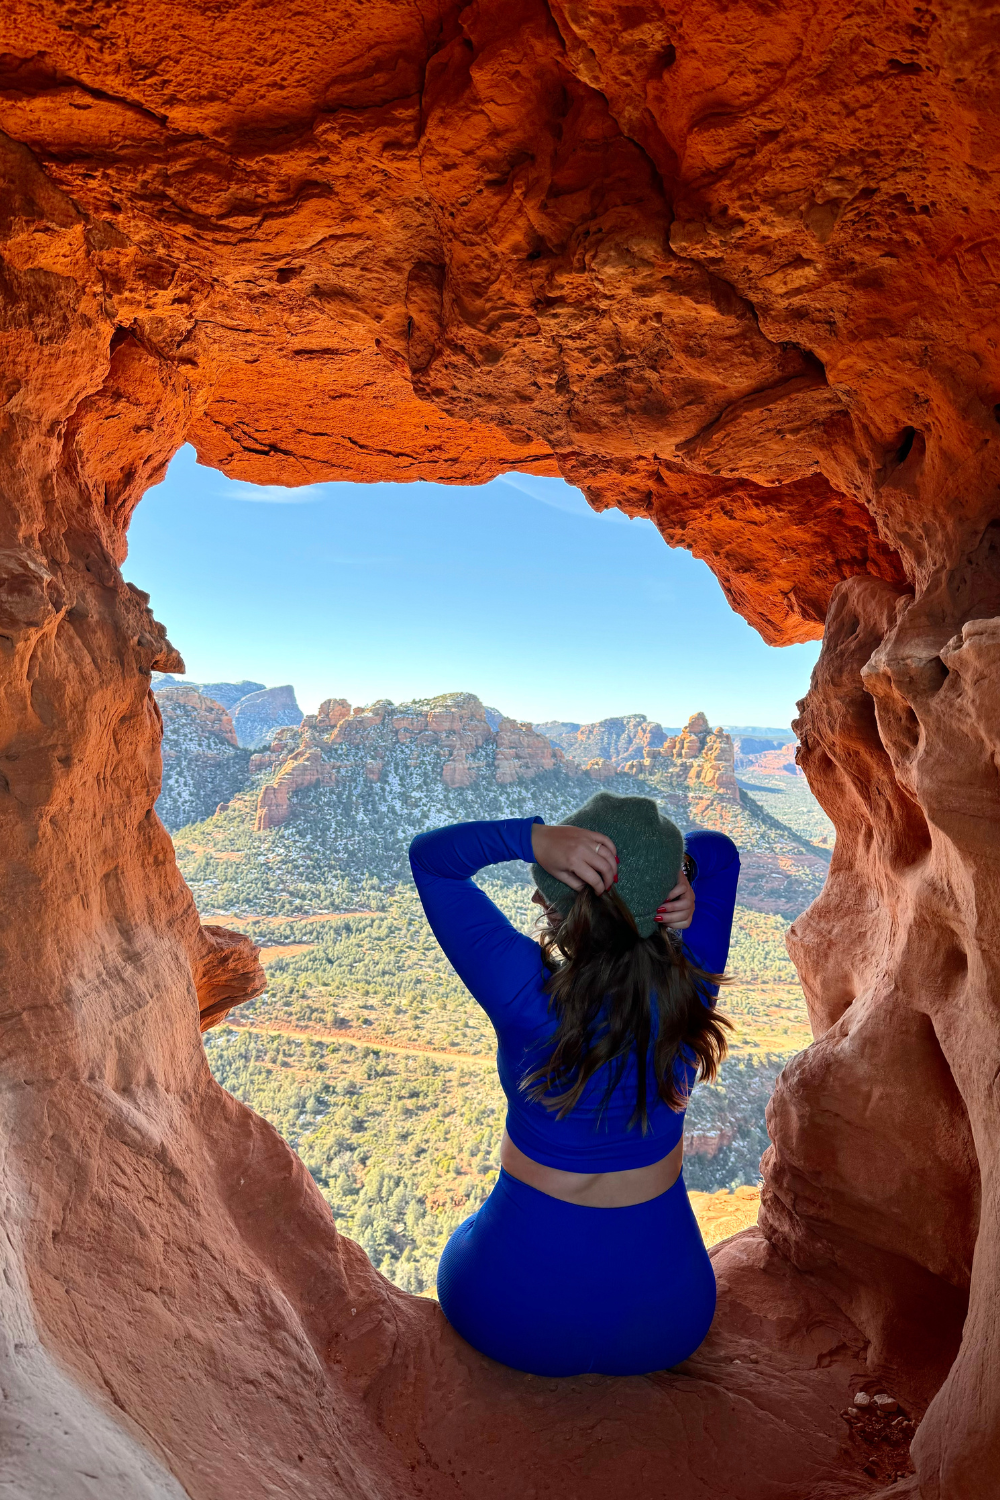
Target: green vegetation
(757, 951)
(724, 1131)
(382, 971)
(385, 972)
(403, 1148)
(789, 800)
(347, 845)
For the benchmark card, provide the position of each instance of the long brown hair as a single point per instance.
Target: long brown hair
(603, 989)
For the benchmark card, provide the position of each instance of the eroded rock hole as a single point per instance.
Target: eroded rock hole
(902, 465)
(291, 787)
(906, 446)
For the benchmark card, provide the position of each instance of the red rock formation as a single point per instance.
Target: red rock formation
(190, 706)
(601, 770)
(776, 762)
(697, 757)
(286, 742)
(455, 726)
(732, 268)
(305, 768)
(616, 739)
(332, 711)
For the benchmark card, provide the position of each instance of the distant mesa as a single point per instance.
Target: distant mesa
(697, 758)
(770, 756)
(749, 744)
(260, 713)
(778, 761)
(208, 738)
(226, 693)
(616, 739)
(182, 704)
(256, 711)
(230, 693)
(782, 736)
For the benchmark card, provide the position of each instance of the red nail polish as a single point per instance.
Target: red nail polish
(615, 881)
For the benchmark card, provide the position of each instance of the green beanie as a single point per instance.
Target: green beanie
(650, 851)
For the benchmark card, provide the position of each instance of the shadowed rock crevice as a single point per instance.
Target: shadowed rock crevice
(724, 268)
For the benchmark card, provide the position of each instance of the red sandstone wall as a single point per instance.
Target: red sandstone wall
(730, 267)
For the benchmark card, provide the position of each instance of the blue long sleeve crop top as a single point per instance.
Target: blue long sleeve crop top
(504, 971)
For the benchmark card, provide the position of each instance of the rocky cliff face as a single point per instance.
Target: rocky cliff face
(349, 789)
(746, 747)
(692, 757)
(226, 693)
(258, 715)
(255, 712)
(454, 730)
(732, 268)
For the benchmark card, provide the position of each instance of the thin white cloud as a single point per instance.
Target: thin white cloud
(558, 494)
(272, 494)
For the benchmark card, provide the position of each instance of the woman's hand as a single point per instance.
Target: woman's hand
(678, 909)
(576, 856)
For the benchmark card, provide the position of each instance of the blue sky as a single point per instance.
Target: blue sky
(515, 590)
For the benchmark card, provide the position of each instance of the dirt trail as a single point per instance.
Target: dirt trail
(358, 1039)
(237, 923)
(284, 950)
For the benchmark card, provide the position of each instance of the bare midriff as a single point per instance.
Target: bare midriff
(594, 1189)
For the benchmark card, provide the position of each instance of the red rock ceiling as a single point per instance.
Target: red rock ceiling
(730, 266)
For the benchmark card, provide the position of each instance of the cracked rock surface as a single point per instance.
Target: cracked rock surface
(730, 267)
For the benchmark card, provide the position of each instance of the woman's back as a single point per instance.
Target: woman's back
(505, 972)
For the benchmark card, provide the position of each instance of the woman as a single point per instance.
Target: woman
(587, 1256)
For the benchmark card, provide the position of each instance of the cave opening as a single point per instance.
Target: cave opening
(383, 594)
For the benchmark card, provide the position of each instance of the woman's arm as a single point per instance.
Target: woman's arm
(717, 864)
(490, 956)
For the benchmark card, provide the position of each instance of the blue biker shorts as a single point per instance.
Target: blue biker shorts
(555, 1288)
